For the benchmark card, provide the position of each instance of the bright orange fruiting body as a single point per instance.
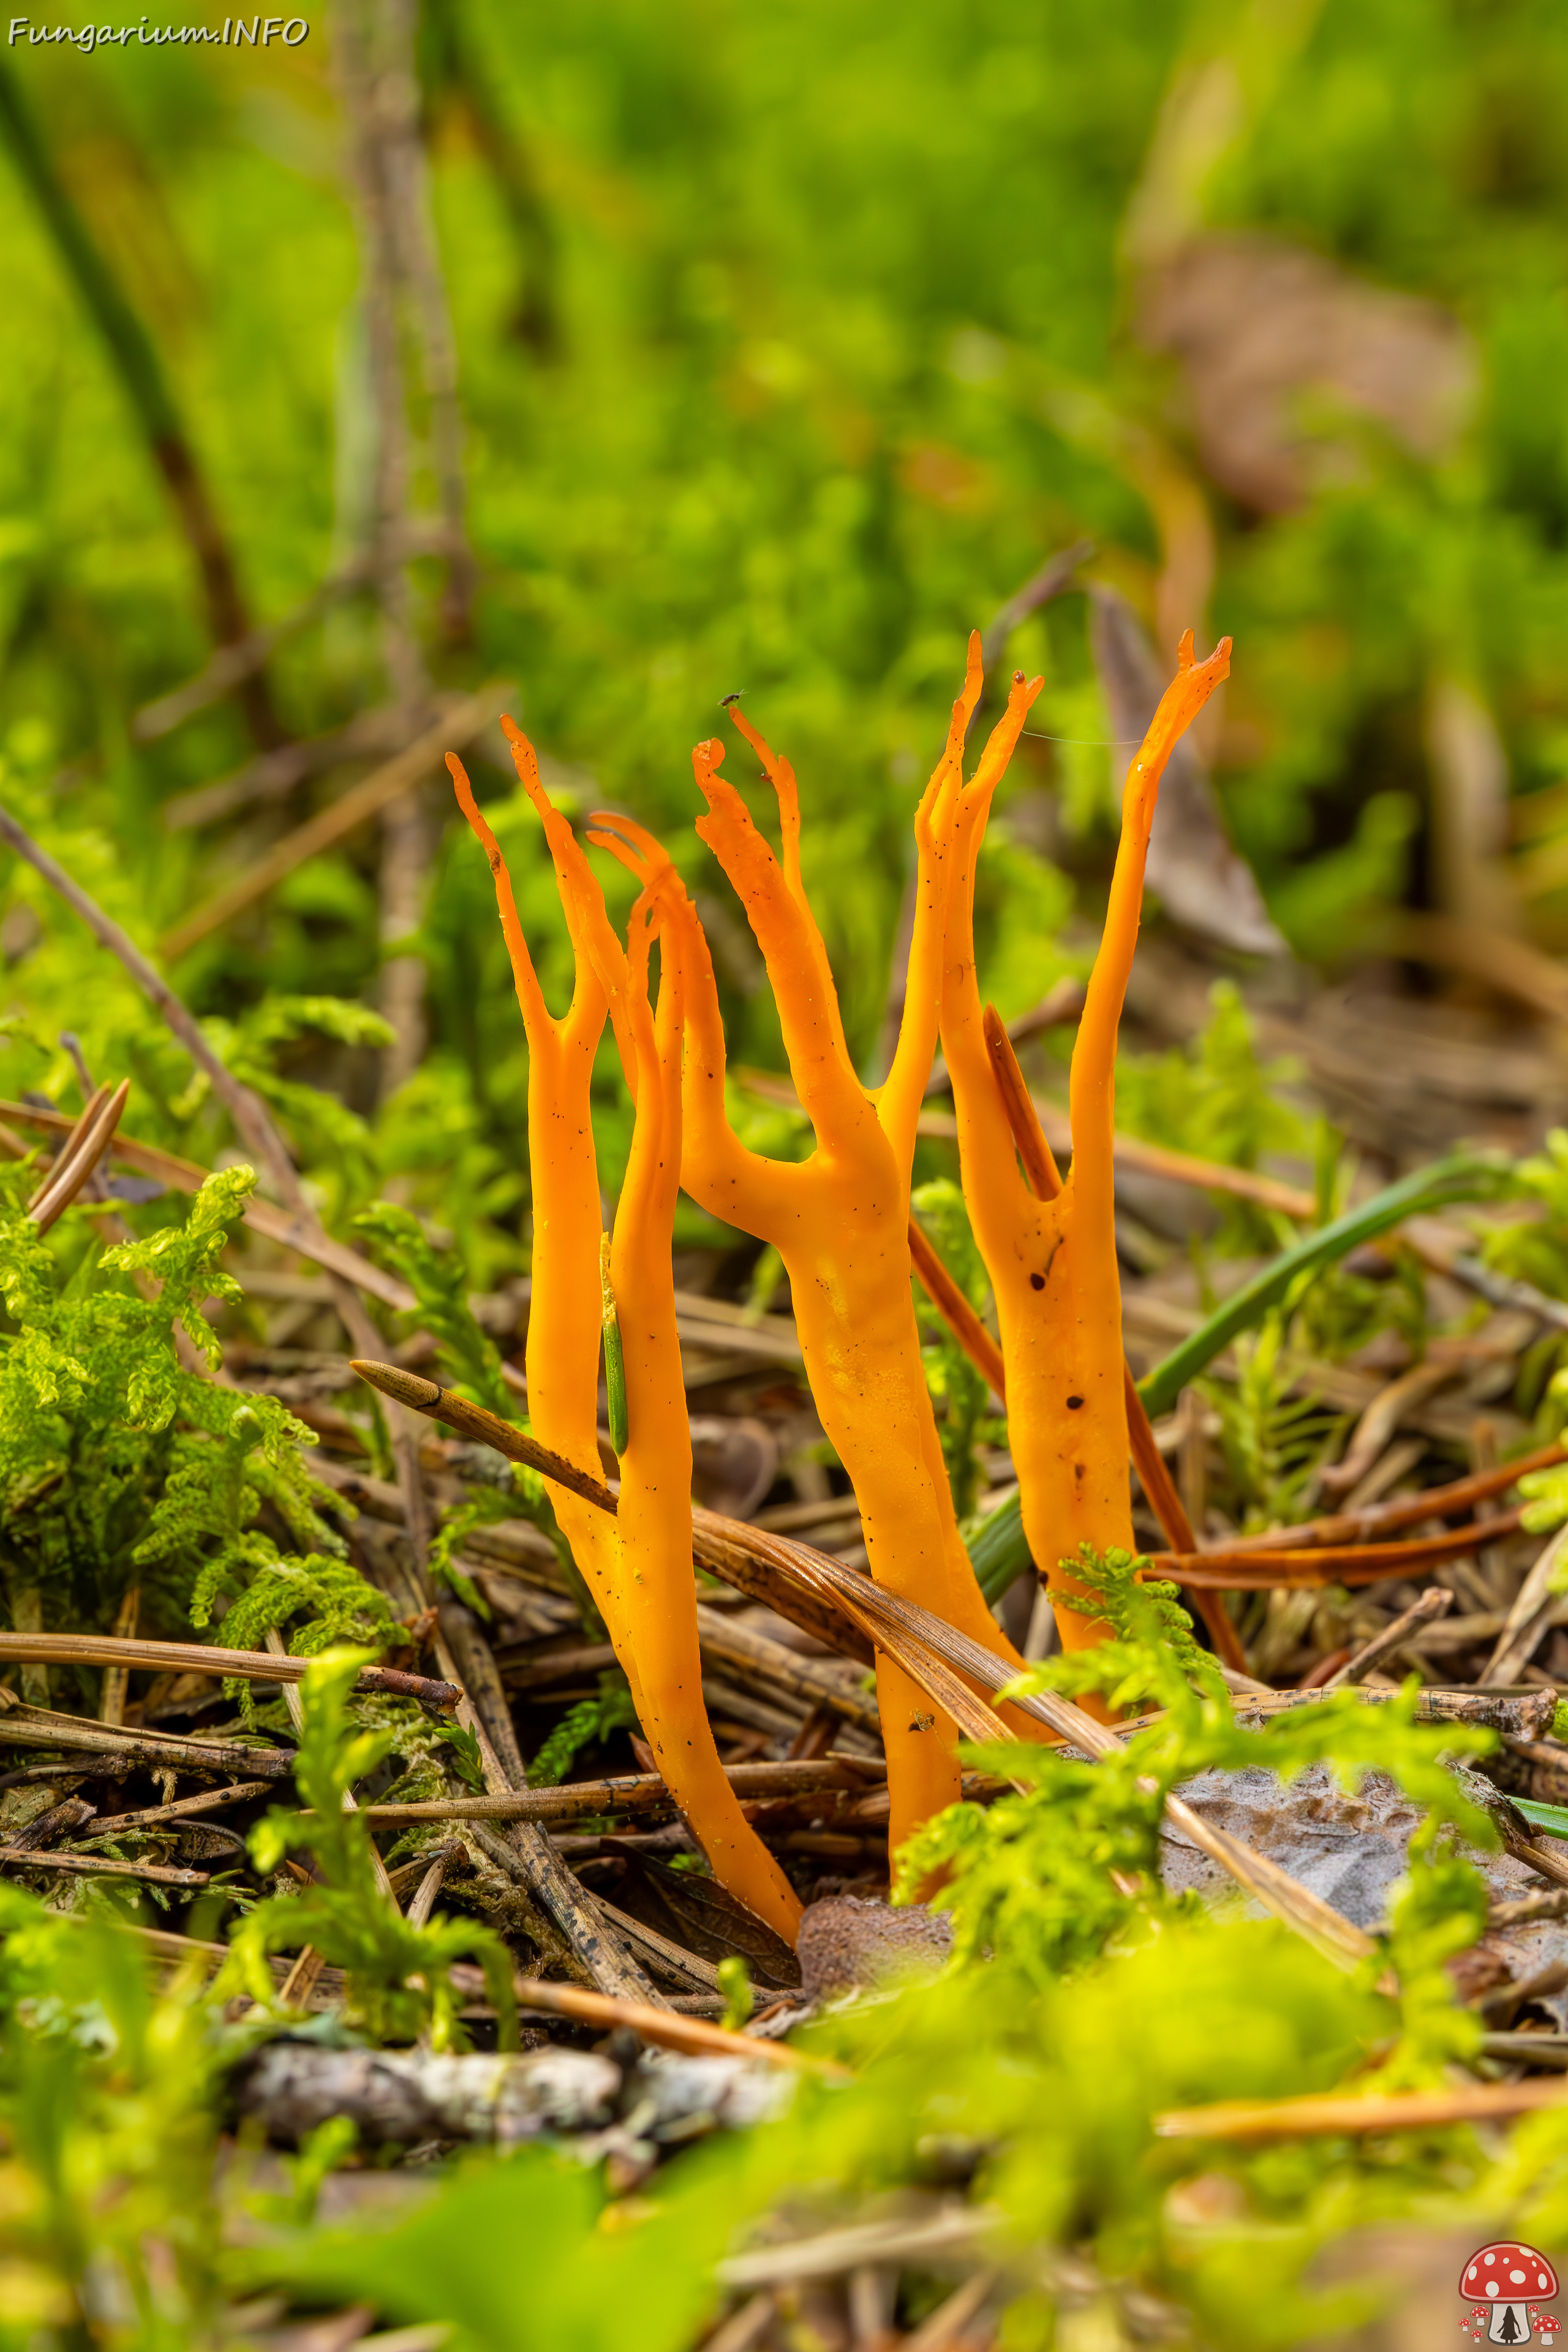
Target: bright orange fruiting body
(840, 1222)
(1052, 1262)
(637, 1565)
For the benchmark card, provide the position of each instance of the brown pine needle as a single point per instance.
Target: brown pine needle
(1244, 1568)
(1408, 1511)
(84, 1147)
(957, 1313)
(1331, 2113)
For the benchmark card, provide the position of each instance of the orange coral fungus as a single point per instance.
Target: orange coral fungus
(840, 1221)
(1052, 1261)
(638, 1564)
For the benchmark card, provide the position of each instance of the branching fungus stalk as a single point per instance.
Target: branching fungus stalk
(840, 1221)
(638, 1565)
(1052, 1261)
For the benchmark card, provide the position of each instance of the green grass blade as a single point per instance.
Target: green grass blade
(1552, 1819)
(1464, 1176)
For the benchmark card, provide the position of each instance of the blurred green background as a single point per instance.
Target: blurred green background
(787, 345)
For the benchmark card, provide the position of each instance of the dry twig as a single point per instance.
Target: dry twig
(195, 1657)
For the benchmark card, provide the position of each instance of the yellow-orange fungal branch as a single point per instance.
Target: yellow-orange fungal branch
(1044, 1180)
(638, 1564)
(563, 1354)
(840, 1221)
(1052, 1260)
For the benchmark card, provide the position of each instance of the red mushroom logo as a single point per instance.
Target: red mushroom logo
(1500, 2284)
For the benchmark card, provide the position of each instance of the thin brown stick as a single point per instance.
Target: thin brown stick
(1213, 1176)
(157, 1817)
(1335, 2113)
(28, 1726)
(296, 1987)
(627, 1793)
(92, 1865)
(192, 1657)
(1054, 576)
(1044, 1180)
(1540, 1751)
(1185, 1167)
(728, 1548)
(1159, 1489)
(1525, 1625)
(1515, 1714)
(422, 1395)
(68, 1816)
(366, 799)
(1432, 1605)
(475, 1661)
(693, 2036)
(744, 2329)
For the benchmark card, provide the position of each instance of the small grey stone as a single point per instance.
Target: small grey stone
(1349, 1851)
